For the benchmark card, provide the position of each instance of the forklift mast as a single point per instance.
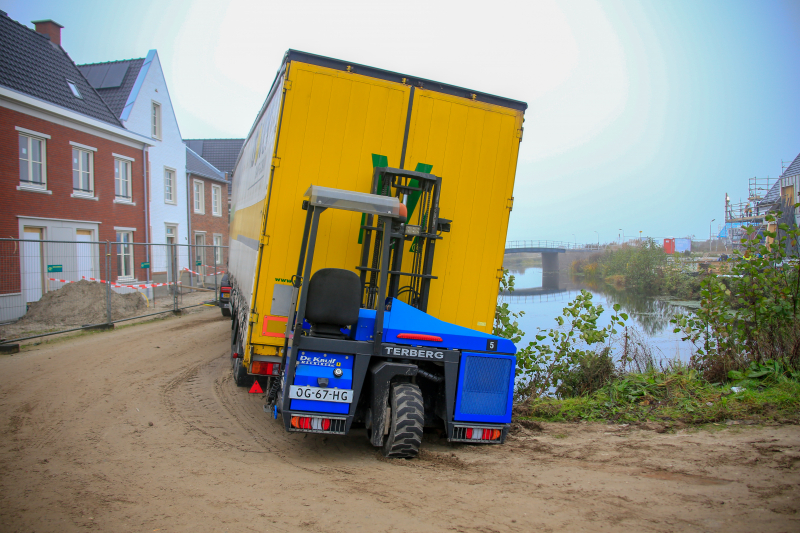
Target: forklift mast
(419, 192)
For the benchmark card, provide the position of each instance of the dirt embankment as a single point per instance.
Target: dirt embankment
(142, 429)
(80, 303)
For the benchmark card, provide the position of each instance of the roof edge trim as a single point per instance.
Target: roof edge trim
(72, 115)
(137, 85)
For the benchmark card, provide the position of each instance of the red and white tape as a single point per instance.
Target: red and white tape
(198, 274)
(138, 286)
(117, 285)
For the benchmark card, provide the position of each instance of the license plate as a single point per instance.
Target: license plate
(299, 392)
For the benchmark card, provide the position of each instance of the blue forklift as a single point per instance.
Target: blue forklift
(357, 356)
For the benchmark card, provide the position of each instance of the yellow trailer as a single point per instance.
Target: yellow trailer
(329, 123)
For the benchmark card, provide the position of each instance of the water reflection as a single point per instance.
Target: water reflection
(543, 295)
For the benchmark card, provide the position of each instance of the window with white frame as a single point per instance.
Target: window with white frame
(32, 167)
(82, 171)
(124, 254)
(156, 120)
(218, 249)
(169, 186)
(199, 197)
(122, 179)
(216, 194)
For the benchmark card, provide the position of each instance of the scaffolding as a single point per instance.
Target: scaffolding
(743, 214)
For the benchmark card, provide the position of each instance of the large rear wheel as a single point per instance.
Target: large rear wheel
(405, 425)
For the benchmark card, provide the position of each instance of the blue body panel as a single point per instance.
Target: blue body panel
(406, 319)
(485, 388)
(313, 365)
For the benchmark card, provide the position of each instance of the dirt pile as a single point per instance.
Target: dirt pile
(83, 302)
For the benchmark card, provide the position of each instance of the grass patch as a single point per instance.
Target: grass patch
(667, 397)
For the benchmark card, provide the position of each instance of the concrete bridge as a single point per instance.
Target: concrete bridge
(549, 250)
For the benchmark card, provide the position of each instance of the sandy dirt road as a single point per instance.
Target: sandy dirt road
(78, 452)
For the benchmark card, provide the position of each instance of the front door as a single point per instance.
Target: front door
(200, 250)
(33, 284)
(170, 253)
(85, 253)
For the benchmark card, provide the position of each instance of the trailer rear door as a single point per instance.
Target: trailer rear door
(332, 123)
(473, 146)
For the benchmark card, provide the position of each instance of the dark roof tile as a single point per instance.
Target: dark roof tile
(116, 91)
(200, 167)
(792, 169)
(222, 153)
(31, 64)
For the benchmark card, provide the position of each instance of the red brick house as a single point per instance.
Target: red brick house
(208, 213)
(69, 171)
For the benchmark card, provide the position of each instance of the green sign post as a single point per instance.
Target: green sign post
(198, 262)
(54, 268)
(145, 264)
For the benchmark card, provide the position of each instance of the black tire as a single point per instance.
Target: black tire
(239, 373)
(234, 339)
(226, 311)
(405, 426)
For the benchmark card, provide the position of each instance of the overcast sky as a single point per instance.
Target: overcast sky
(641, 115)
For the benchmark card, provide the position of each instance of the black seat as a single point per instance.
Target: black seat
(334, 298)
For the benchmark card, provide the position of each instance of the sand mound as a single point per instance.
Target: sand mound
(83, 302)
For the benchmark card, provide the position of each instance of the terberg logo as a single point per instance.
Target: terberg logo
(413, 352)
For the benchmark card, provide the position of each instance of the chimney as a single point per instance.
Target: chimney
(50, 28)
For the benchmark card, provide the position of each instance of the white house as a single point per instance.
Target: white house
(137, 91)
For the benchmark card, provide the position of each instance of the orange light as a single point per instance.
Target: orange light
(296, 422)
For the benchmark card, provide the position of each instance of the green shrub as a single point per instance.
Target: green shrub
(754, 315)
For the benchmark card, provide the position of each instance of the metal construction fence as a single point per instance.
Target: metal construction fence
(35, 299)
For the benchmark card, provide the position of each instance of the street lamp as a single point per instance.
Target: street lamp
(640, 235)
(575, 239)
(598, 239)
(709, 234)
(622, 234)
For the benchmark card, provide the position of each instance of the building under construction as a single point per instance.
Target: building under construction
(743, 214)
(764, 196)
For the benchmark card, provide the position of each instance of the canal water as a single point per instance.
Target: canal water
(543, 297)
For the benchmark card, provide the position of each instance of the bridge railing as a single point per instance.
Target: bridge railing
(551, 244)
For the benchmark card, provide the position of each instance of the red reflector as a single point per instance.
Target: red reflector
(311, 422)
(419, 337)
(235, 355)
(256, 388)
(265, 369)
(225, 289)
(483, 434)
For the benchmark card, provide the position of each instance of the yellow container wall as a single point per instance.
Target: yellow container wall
(473, 146)
(332, 123)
